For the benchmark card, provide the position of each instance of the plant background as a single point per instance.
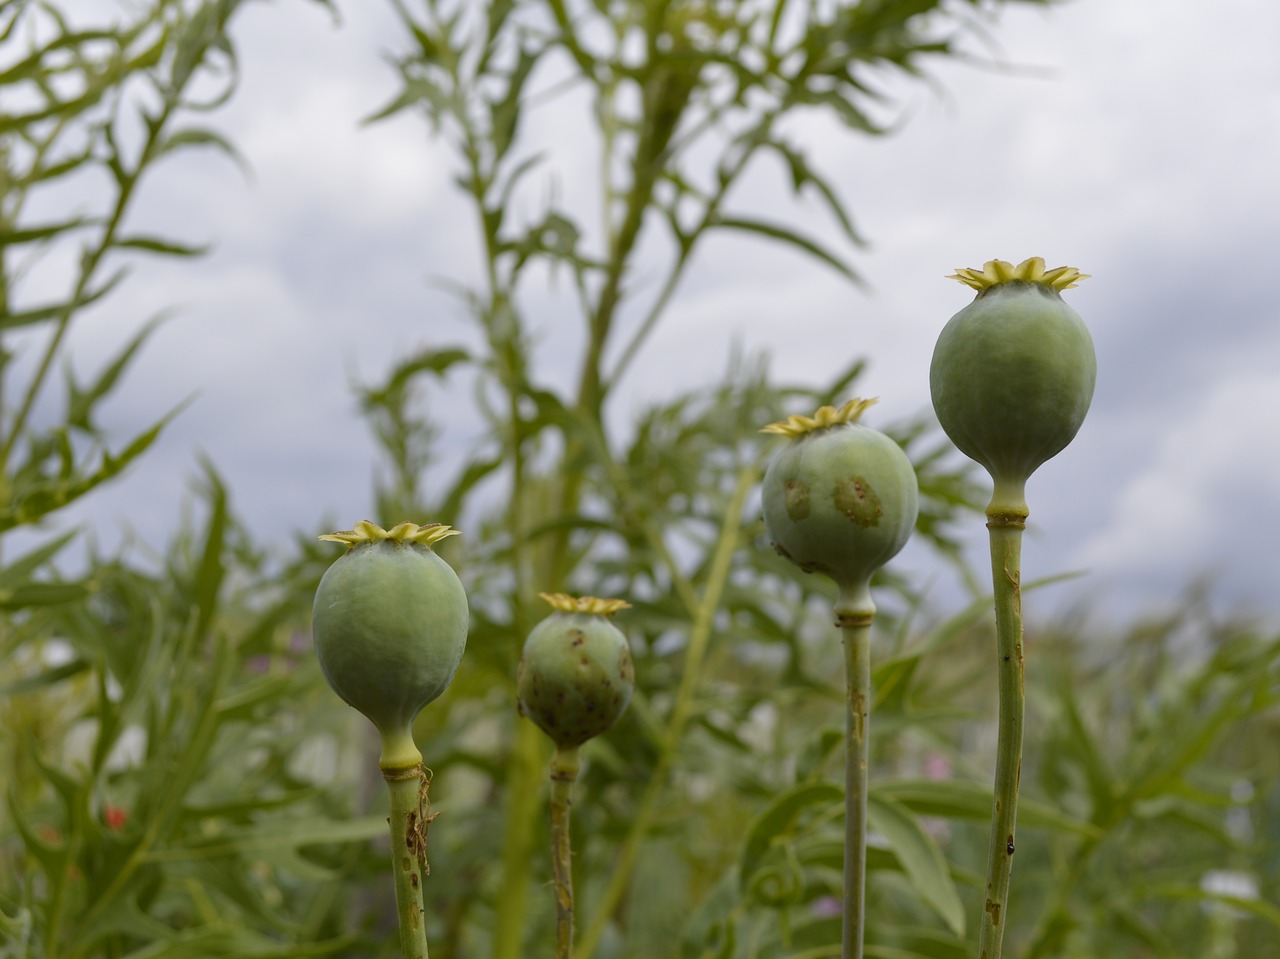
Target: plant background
(1135, 141)
(180, 783)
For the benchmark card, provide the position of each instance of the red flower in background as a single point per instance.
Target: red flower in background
(114, 817)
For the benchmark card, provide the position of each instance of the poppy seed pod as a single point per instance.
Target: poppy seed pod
(1013, 372)
(390, 624)
(840, 499)
(575, 677)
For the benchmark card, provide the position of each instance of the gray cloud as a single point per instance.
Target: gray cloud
(1144, 157)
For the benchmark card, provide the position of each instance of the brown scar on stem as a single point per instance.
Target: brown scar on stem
(420, 822)
(858, 710)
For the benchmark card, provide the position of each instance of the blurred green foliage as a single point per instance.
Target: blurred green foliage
(180, 783)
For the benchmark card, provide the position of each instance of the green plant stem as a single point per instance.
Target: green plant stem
(1005, 526)
(1064, 888)
(564, 772)
(699, 638)
(857, 662)
(404, 783)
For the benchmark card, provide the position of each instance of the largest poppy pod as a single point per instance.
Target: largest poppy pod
(390, 624)
(1013, 372)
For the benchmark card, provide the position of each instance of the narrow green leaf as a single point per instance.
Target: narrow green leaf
(1082, 743)
(47, 231)
(53, 311)
(44, 680)
(275, 833)
(30, 595)
(930, 943)
(920, 856)
(240, 703)
(778, 818)
(50, 856)
(21, 569)
(1129, 921)
(209, 574)
(784, 234)
(1185, 744)
(803, 174)
(203, 137)
(81, 402)
(1254, 906)
(958, 799)
(154, 244)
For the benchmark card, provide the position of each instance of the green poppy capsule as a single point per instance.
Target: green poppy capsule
(841, 499)
(575, 677)
(1013, 373)
(390, 625)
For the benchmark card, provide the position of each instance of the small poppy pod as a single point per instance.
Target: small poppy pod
(1013, 372)
(841, 499)
(575, 677)
(390, 625)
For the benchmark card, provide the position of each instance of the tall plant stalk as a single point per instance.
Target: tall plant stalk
(408, 824)
(699, 639)
(1005, 529)
(1011, 380)
(842, 500)
(564, 773)
(857, 659)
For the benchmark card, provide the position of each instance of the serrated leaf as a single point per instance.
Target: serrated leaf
(437, 361)
(41, 499)
(505, 113)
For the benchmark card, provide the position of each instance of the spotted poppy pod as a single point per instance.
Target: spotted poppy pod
(1013, 372)
(575, 677)
(390, 625)
(841, 498)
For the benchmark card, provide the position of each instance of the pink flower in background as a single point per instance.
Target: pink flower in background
(937, 766)
(827, 907)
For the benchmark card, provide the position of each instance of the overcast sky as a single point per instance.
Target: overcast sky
(1141, 148)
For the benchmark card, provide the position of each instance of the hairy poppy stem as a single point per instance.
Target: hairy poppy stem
(408, 841)
(857, 659)
(564, 772)
(1006, 560)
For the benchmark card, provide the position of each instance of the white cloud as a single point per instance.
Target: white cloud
(1149, 147)
(1189, 507)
